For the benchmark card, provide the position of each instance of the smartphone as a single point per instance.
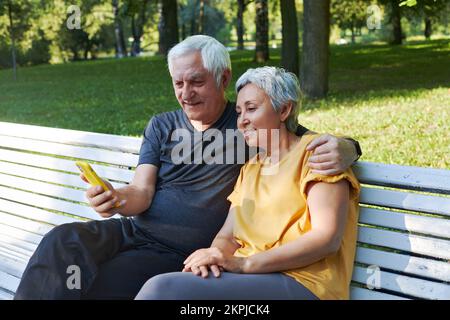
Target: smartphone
(92, 177)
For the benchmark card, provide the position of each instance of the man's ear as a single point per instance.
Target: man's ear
(226, 78)
(286, 110)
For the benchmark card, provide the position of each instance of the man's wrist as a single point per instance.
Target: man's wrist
(357, 147)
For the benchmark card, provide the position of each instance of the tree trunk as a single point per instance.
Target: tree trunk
(315, 55)
(262, 31)
(137, 29)
(428, 28)
(201, 17)
(121, 49)
(168, 28)
(240, 24)
(396, 23)
(290, 49)
(353, 32)
(13, 43)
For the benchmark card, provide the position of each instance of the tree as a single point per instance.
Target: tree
(349, 14)
(121, 49)
(315, 55)
(137, 10)
(262, 31)
(168, 26)
(290, 48)
(13, 44)
(242, 6)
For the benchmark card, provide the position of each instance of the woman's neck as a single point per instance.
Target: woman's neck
(278, 148)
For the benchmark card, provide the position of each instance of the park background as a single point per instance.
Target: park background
(379, 70)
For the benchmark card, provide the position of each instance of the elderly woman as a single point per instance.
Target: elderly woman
(290, 233)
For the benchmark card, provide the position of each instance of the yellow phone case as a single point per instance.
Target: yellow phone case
(91, 175)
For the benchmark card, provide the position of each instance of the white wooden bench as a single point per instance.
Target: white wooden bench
(404, 234)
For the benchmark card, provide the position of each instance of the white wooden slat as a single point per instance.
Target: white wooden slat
(5, 295)
(8, 281)
(405, 200)
(29, 159)
(404, 221)
(37, 214)
(112, 157)
(48, 203)
(409, 177)
(24, 224)
(12, 267)
(428, 268)
(44, 175)
(20, 234)
(406, 242)
(357, 293)
(43, 188)
(21, 246)
(10, 253)
(406, 285)
(108, 141)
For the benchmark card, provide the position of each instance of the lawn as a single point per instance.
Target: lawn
(394, 100)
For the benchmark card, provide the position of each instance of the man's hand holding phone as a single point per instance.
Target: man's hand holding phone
(105, 201)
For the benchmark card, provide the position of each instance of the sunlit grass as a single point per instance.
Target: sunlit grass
(393, 99)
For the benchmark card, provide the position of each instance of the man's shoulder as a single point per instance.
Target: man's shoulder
(167, 119)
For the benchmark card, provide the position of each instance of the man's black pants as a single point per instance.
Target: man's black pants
(108, 259)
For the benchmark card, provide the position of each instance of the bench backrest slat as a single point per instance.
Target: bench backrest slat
(427, 268)
(52, 163)
(403, 177)
(65, 136)
(405, 221)
(407, 285)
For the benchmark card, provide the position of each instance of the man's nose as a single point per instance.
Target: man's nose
(187, 92)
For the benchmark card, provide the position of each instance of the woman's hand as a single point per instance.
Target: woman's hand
(214, 259)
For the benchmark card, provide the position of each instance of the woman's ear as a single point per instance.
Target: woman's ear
(286, 111)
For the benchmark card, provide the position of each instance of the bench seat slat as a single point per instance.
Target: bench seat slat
(29, 159)
(428, 268)
(19, 234)
(102, 140)
(5, 295)
(405, 285)
(12, 267)
(32, 213)
(48, 203)
(405, 201)
(404, 177)
(406, 242)
(403, 221)
(24, 224)
(13, 255)
(21, 246)
(357, 293)
(8, 282)
(94, 154)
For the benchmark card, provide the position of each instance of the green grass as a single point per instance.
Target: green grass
(394, 100)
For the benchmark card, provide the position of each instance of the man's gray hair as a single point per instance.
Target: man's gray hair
(215, 56)
(281, 86)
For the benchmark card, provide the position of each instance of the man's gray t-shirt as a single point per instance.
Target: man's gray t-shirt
(190, 203)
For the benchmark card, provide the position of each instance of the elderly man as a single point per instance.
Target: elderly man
(172, 207)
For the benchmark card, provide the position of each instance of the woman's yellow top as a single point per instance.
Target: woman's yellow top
(271, 210)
